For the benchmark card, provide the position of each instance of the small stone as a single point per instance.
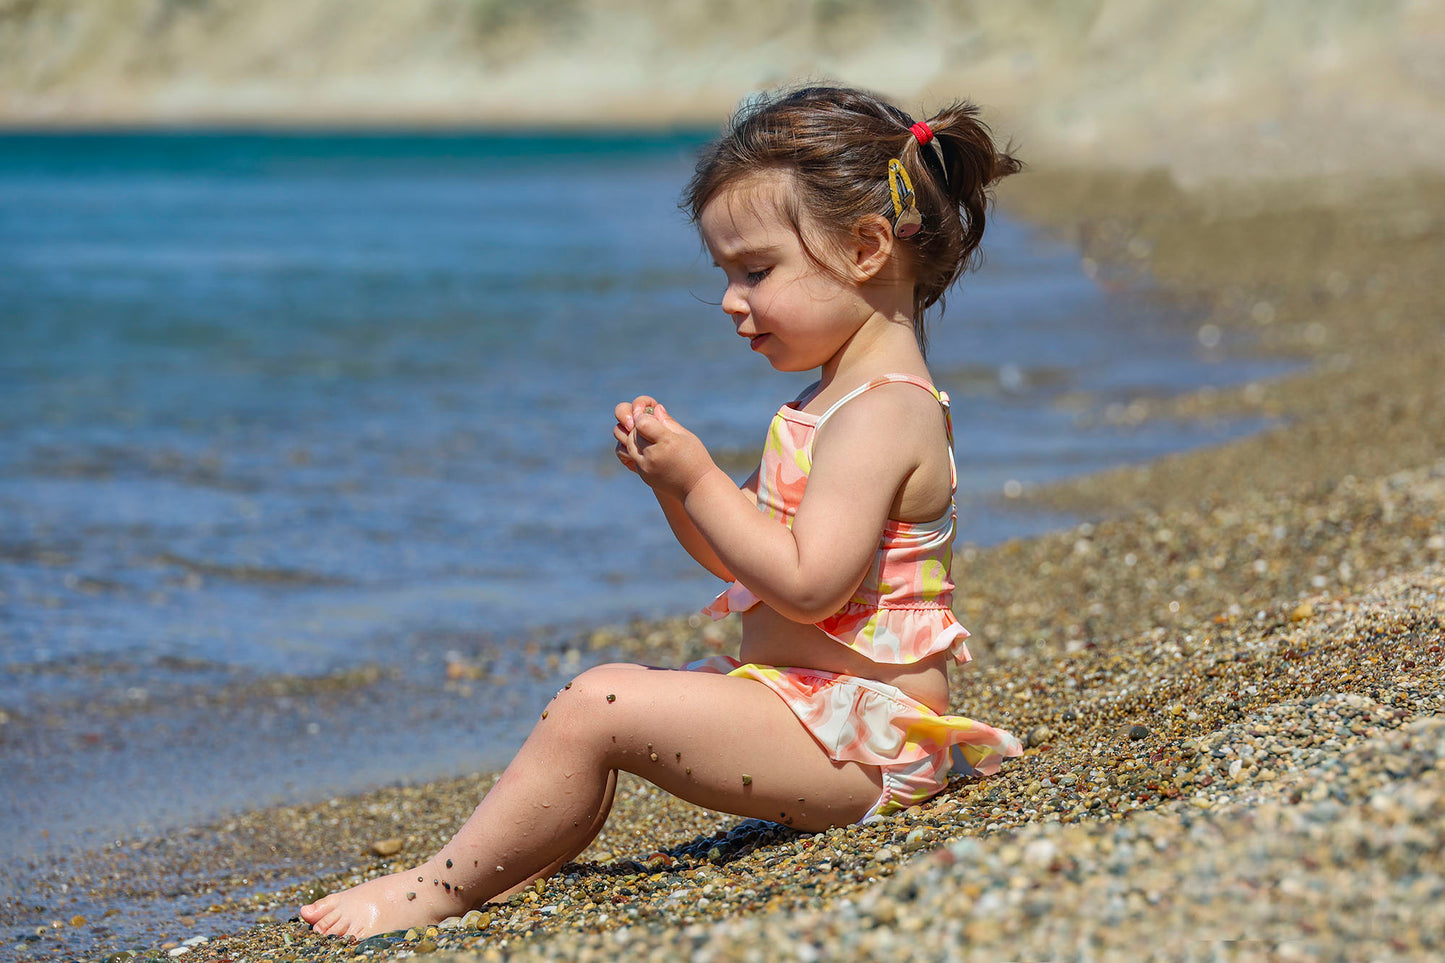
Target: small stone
(425, 946)
(1039, 735)
(77, 921)
(386, 847)
(449, 864)
(412, 933)
(915, 841)
(884, 855)
(1302, 611)
(747, 780)
(652, 756)
(611, 697)
(1138, 732)
(410, 896)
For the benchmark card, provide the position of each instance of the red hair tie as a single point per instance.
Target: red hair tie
(923, 132)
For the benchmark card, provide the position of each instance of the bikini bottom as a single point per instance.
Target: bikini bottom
(862, 720)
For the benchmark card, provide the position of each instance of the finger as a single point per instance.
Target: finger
(623, 414)
(623, 449)
(631, 444)
(649, 427)
(644, 403)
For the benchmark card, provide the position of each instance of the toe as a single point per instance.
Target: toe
(330, 924)
(312, 912)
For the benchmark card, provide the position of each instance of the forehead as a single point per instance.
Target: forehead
(747, 215)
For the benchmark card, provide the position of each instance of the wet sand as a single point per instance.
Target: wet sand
(1230, 680)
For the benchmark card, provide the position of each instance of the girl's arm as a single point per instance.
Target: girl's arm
(672, 507)
(860, 463)
(689, 537)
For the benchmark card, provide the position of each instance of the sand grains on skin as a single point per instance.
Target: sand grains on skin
(414, 897)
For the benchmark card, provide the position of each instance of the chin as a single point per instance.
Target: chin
(785, 364)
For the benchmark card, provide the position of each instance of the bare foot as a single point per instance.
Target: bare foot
(415, 897)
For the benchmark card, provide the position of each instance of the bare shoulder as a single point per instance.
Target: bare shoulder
(896, 435)
(898, 417)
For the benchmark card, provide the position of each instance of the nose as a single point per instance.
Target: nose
(734, 303)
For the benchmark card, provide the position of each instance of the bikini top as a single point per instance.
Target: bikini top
(901, 610)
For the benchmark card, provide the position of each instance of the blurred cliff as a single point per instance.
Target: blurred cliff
(1227, 88)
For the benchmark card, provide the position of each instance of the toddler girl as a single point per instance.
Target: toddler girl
(837, 222)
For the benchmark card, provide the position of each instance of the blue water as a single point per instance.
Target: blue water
(290, 404)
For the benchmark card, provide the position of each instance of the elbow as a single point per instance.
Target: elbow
(813, 603)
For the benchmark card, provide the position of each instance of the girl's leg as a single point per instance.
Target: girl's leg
(720, 742)
(556, 864)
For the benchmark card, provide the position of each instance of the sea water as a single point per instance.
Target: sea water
(338, 407)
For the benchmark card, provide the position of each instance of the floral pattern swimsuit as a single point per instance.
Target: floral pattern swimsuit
(900, 614)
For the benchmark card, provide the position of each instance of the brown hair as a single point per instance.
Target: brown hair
(836, 142)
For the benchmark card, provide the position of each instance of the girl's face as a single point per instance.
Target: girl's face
(793, 312)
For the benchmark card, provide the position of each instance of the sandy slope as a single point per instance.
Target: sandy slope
(1232, 88)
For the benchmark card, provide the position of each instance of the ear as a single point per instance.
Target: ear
(870, 248)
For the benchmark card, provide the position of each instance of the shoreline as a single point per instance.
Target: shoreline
(1196, 606)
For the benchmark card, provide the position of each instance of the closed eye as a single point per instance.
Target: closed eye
(756, 277)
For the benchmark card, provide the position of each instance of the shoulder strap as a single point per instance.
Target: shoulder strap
(890, 379)
(878, 382)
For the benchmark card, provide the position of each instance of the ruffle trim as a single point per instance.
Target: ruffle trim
(889, 636)
(862, 720)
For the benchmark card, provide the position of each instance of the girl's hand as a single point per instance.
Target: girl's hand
(623, 413)
(664, 454)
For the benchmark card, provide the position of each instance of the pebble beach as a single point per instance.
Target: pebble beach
(1229, 679)
(1228, 670)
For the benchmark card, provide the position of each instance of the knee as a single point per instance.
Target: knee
(584, 699)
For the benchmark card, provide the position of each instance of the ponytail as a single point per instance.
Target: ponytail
(953, 174)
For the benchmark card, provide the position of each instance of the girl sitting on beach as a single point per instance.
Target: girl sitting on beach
(837, 221)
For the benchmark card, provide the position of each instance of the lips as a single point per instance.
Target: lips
(756, 341)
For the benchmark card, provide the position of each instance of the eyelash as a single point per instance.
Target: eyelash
(756, 277)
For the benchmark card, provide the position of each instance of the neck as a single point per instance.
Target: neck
(881, 345)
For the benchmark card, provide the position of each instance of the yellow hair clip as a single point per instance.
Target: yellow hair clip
(906, 219)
